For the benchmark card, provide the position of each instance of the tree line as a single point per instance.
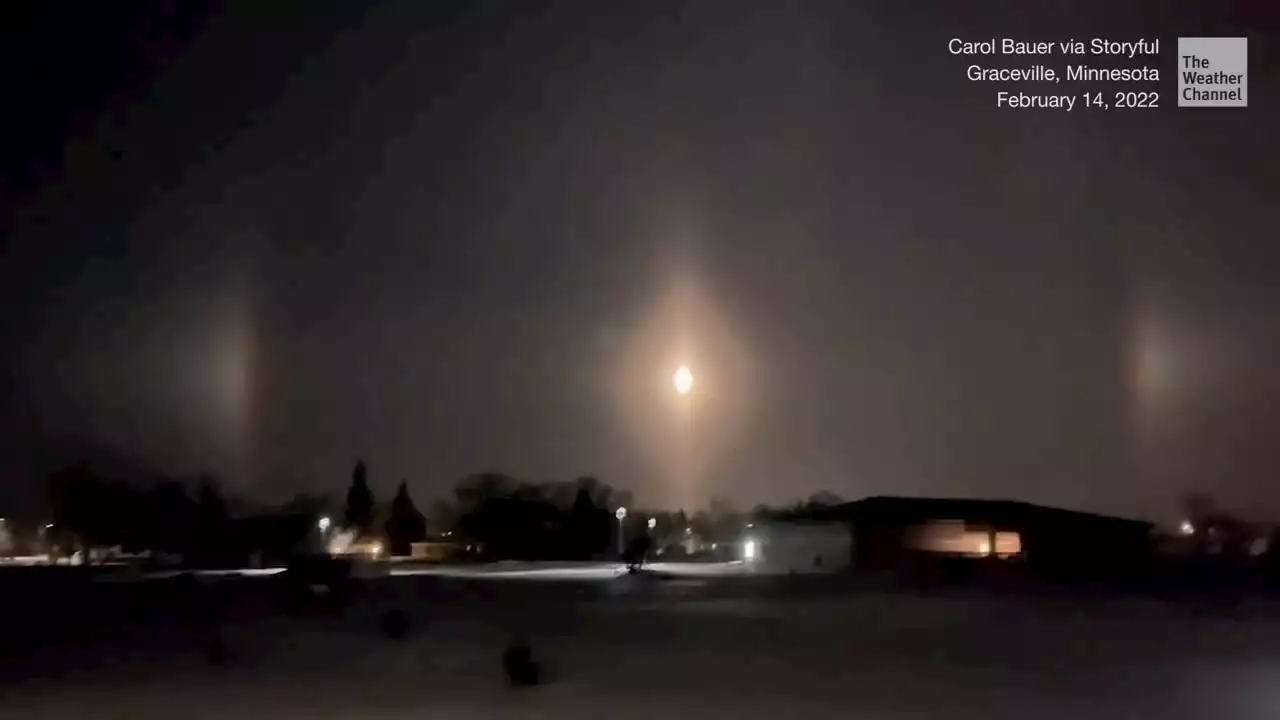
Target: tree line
(167, 515)
(512, 519)
(497, 514)
(192, 518)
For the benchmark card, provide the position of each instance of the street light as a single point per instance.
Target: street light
(621, 514)
(653, 523)
(324, 524)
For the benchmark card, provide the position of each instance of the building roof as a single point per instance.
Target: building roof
(1006, 513)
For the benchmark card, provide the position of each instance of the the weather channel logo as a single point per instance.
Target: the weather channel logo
(1213, 72)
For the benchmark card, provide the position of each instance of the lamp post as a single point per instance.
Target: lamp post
(621, 514)
(323, 525)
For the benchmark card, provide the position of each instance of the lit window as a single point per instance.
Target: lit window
(1008, 544)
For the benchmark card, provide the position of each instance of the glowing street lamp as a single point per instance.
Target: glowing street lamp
(324, 523)
(621, 514)
(682, 380)
(653, 523)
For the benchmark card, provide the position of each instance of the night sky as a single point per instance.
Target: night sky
(453, 237)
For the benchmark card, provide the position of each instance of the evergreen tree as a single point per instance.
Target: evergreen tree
(359, 512)
(405, 525)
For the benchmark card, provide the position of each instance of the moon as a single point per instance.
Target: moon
(682, 380)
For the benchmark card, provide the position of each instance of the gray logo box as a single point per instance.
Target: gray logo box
(1213, 72)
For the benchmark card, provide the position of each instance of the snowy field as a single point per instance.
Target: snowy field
(495, 571)
(699, 644)
(519, 570)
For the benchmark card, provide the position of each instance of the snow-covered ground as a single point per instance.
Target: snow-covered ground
(571, 571)
(503, 571)
(493, 571)
(699, 646)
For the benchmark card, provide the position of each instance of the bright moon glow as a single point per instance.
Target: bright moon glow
(683, 380)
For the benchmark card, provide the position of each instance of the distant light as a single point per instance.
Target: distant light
(621, 513)
(324, 524)
(375, 549)
(1186, 528)
(48, 526)
(751, 525)
(682, 380)
(688, 531)
(749, 550)
(653, 523)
